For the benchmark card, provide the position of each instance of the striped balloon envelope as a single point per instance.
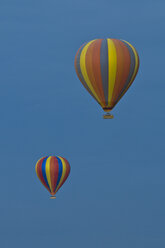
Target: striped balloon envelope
(52, 172)
(107, 68)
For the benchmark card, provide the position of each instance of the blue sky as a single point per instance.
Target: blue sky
(114, 196)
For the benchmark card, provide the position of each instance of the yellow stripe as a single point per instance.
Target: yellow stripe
(84, 71)
(63, 172)
(47, 168)
(112, 67)
(136, 66)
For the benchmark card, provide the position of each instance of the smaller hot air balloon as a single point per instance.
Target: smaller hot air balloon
(52, 172)
(107, 68)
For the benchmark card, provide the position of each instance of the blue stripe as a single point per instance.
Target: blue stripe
(44, 171)
(60, 169)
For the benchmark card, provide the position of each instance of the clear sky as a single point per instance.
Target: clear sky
(115, 194)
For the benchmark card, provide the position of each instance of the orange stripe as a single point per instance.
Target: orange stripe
(89, 68)
(132, 80)
(123, 67)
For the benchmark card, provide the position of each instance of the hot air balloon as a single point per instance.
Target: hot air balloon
(52, 172)
(107, 68)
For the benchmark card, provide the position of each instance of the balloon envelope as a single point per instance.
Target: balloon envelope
(107, 68)
(52, 172)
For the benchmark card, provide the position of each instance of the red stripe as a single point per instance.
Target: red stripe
(39, 172)
(54, 169)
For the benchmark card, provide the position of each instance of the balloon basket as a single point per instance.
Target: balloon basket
(52, 197)
(108, 116)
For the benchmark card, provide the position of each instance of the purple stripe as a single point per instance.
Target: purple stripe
(104, 68)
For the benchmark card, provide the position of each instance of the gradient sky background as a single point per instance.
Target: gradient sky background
(115, 195)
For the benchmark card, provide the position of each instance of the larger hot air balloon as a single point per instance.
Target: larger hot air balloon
(52, 172)
(107, 68)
